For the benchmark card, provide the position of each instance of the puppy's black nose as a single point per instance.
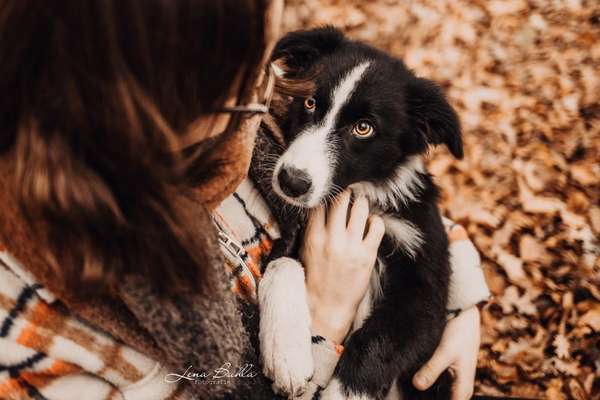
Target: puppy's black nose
(293, 182)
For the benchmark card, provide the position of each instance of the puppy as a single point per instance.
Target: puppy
(366, 126)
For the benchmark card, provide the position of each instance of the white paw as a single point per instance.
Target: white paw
(334, 391)
(308, 393)
(285, 339)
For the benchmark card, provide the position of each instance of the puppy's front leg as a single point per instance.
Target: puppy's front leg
(285, 338)
(401, 333)
(372, 361)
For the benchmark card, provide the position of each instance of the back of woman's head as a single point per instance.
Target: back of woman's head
(94, 96)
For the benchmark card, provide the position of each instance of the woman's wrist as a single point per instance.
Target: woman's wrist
(331, 322)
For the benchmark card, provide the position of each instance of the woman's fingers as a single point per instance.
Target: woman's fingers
(358, 218)
(316, 223)
(458, 351)
(429, 373)
(316, 219)
(375, 232)
(466, 366)
(338, 213)
(462, 389)
(457, 232)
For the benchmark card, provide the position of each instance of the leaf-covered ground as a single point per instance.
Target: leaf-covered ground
(525, 79)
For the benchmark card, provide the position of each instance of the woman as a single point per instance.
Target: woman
(114, 154)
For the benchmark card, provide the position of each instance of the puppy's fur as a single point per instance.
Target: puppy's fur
(400, 321)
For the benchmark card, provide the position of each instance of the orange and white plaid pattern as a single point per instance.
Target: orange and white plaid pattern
(45, 353)
(246, 218)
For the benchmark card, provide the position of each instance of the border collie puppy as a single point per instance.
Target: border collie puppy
(366, 127)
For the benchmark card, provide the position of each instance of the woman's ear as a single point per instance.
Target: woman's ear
(433, 116)
(301, 50)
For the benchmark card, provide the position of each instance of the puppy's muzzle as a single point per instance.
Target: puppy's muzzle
(293, 182)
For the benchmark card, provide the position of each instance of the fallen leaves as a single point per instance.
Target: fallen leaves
(537, 204)
(513, 266)
(524, 77)
(513, 301)
(561, 347)
(585, 174)
(591, 319)
(531, 250)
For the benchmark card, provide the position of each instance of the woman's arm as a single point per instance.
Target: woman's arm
(339, 259)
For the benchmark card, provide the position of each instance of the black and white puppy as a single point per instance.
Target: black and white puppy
(366, 127)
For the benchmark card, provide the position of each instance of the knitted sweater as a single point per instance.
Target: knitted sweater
(46, 352)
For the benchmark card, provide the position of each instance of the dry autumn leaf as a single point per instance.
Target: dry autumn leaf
(531, 249)
(561, 345)
(591, 319)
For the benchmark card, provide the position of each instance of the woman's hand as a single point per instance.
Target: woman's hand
(338, 258)
(458, 351)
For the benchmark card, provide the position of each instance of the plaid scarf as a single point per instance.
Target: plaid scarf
(46, 353)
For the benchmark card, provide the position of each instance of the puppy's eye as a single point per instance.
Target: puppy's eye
(310, 104)
(363, 129)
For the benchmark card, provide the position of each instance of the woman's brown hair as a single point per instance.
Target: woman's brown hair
(94, 96)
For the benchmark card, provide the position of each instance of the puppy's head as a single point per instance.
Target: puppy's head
(369, 116)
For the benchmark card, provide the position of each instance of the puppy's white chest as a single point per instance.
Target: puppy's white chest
(373, 294)
(406, 235)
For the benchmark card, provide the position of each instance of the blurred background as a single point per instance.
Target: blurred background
(524, 77)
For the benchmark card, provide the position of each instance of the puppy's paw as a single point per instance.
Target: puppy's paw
(309, 392)
(336, 391)
(285, 339)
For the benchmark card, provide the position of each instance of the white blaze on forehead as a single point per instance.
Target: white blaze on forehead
(311, 151)
(342, 93)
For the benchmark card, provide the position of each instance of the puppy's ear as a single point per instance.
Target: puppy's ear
(433, 116)
(300, 50)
